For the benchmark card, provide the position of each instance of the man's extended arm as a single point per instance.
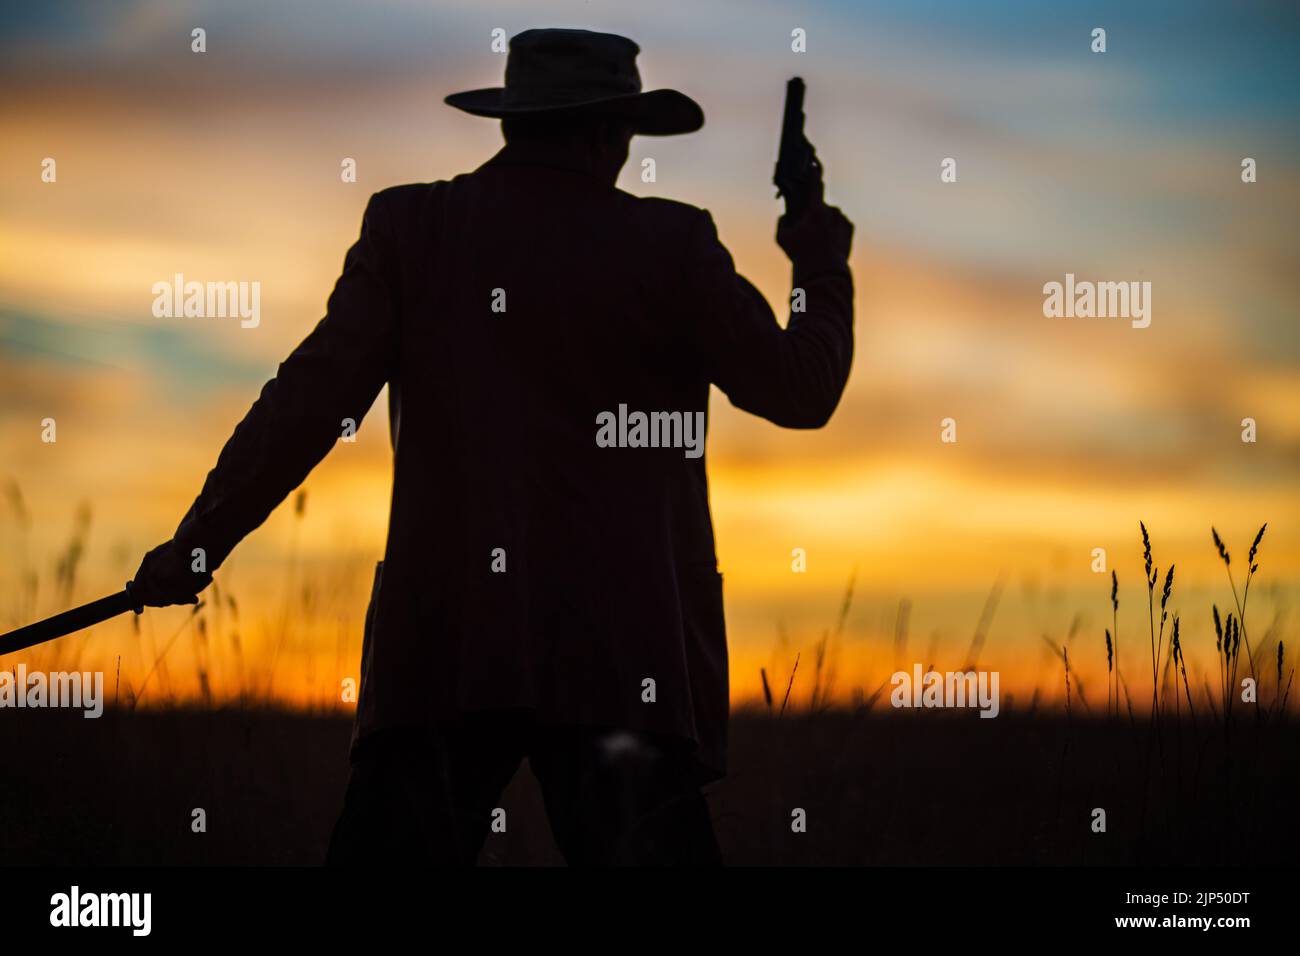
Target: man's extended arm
(793, 376)
(334, 374)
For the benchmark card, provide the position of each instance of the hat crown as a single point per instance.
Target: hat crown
(552, 66)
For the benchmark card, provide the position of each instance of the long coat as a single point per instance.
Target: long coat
(537, 557)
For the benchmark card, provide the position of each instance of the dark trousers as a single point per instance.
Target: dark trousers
(427, 795)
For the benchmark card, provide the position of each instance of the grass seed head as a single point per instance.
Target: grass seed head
(1254, 548)
(1218, 543)
(1146, 548)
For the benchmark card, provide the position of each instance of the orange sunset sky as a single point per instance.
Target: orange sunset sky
(1117, 166)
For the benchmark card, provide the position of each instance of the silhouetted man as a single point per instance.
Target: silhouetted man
(549, 589)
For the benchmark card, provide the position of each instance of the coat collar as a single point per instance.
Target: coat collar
(537, 154)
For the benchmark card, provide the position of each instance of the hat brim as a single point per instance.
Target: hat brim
(652, 113)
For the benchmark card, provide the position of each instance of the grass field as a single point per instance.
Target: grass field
(925, 787)
(1185, 768)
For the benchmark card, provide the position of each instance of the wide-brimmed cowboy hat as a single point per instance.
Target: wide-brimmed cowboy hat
(565, 72)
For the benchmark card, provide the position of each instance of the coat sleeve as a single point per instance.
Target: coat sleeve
(334, 374)
(793, 376)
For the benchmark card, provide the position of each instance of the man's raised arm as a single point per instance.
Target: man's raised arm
(334, 374)
(794, 376)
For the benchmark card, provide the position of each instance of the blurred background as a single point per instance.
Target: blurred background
(1120, 166)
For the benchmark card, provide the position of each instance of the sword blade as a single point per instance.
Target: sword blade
(67, 622)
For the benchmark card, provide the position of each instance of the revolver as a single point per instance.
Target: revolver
(798, 175)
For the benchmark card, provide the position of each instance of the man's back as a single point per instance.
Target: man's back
(558, 574)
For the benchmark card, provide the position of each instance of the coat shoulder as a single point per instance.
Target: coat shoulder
(404, 209)
(666, 221)
(670, 211)
(395, 200)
